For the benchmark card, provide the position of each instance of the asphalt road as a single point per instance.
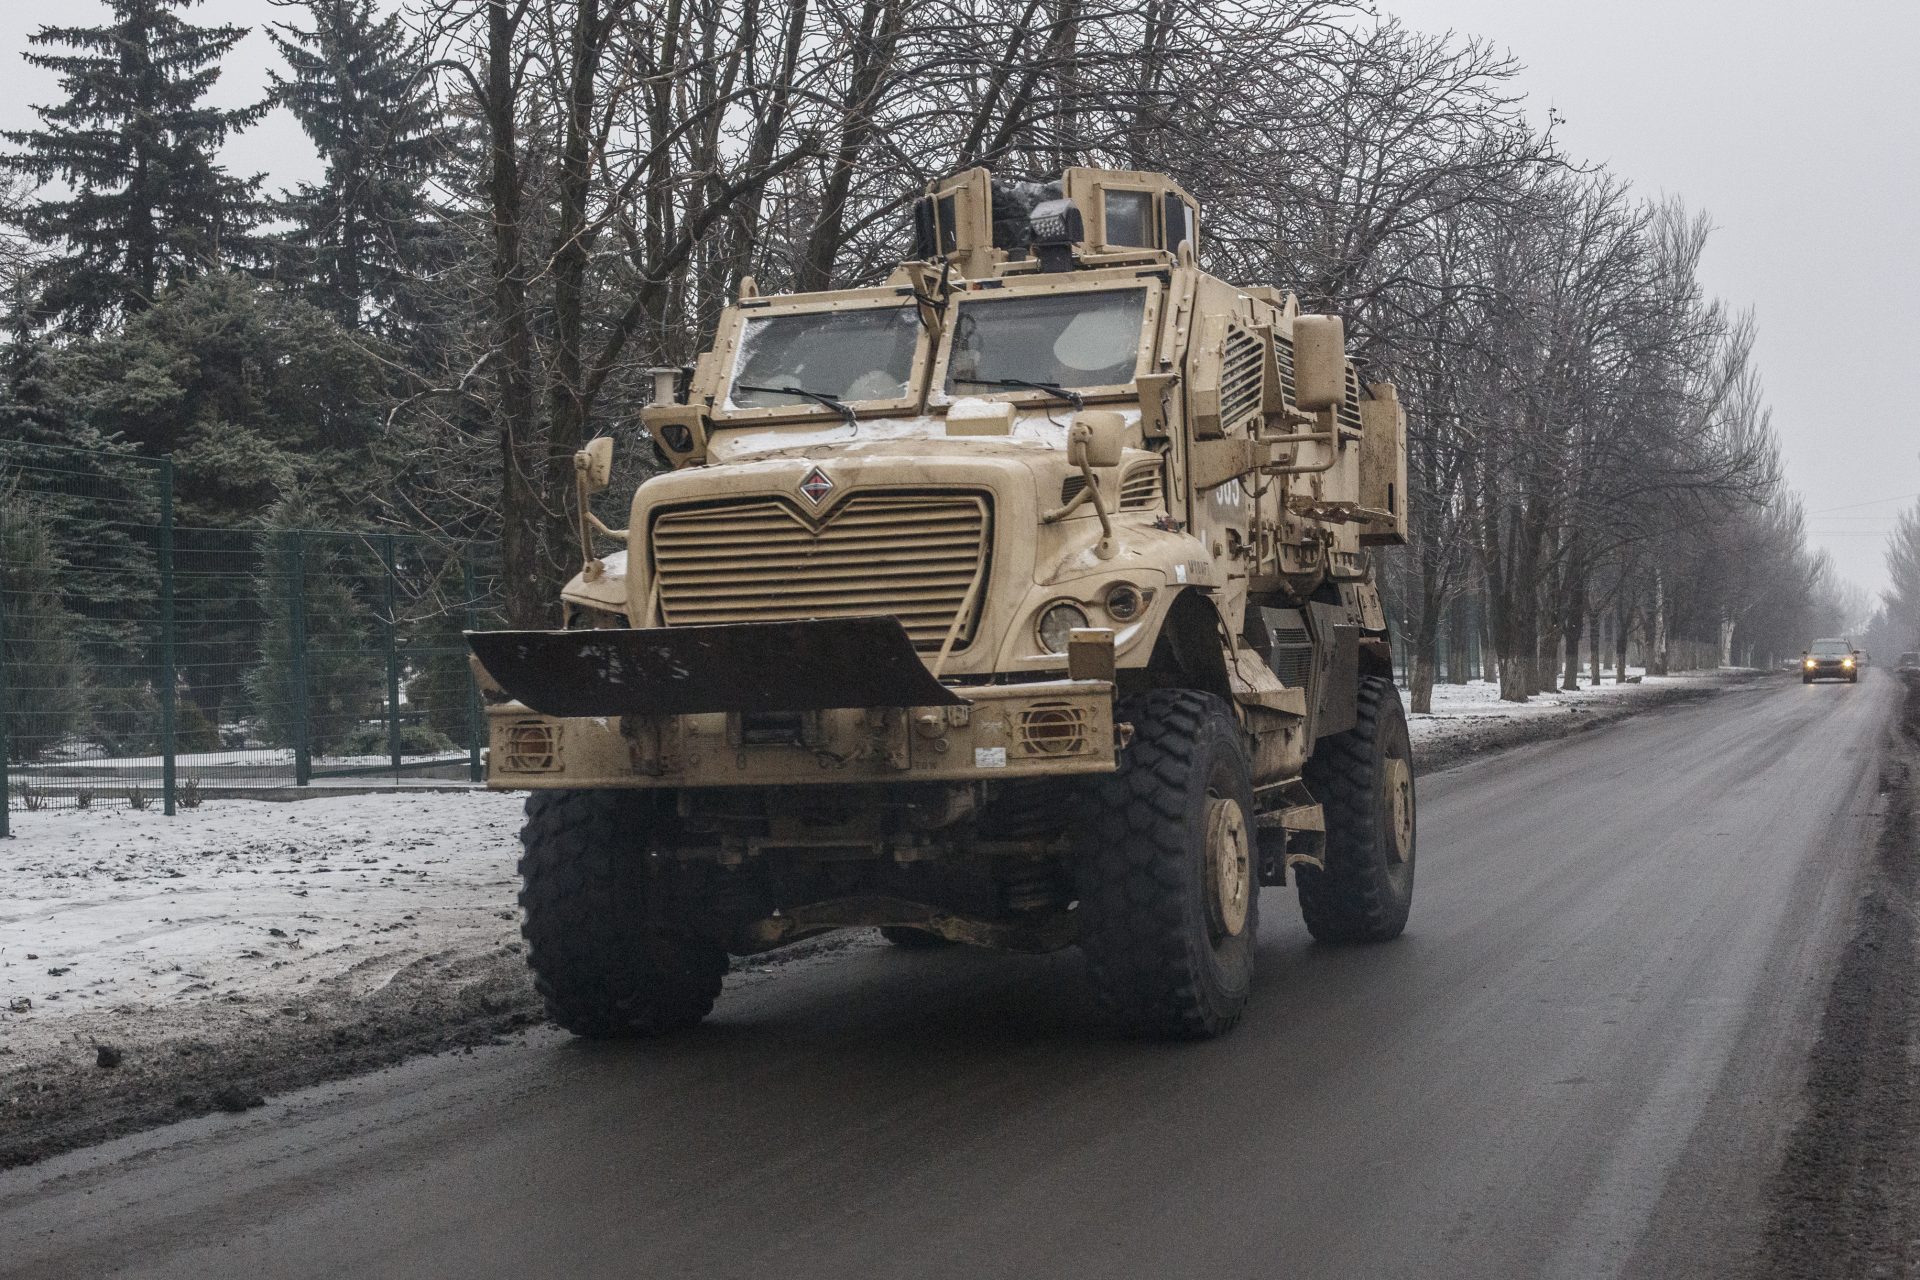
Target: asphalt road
(1581, 1061)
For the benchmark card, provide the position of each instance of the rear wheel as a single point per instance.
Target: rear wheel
(603, 962)
(1363, 779)
(1169, 900)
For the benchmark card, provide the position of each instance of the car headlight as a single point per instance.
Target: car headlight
(1057, 622)
(1810, 664)
(1846, 662)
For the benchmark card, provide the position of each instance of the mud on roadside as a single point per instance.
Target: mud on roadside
(1846, 1199)
(233, 1058)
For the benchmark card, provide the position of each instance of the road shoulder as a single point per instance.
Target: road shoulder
(1845, 1201)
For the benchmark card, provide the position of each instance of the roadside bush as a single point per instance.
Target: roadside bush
(415, 740)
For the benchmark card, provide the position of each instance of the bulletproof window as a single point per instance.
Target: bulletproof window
(848, 355)
(1076, 339)
(949, 234)
(1129, 217)
(1180, 222)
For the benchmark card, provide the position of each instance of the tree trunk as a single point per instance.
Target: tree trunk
(528, 591)
(1420, 683)
(1657, 657)
(1593, 644)
(1576, 623)
(1621, 616)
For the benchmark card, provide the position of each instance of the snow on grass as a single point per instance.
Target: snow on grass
(239, 900)
(1464, 709)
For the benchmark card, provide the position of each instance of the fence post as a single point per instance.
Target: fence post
(393, 656)
(476, 715)
(5, 796)
(296, 570)
(168, 677)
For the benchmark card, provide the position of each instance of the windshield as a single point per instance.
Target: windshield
(842, 355)
(1062, 339)
(1830, 649)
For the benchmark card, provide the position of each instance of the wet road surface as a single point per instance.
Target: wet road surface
(1581, 1061)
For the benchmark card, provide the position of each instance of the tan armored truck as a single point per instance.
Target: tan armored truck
(1022, 601)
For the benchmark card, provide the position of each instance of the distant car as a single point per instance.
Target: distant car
(1830, 659)
(1909, 662)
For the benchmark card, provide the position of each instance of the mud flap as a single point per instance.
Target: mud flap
(754, 667)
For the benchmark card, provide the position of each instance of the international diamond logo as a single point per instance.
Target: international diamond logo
(816, 486)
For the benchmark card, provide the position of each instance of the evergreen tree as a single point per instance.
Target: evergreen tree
(146, 204)
(328, 686)
(44, 694)
(361, 234)
(253, 393)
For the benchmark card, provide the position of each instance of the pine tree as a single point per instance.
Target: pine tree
(145, 202)
(44, 693)
(358, 236)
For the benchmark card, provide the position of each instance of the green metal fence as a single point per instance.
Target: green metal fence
(145, 662)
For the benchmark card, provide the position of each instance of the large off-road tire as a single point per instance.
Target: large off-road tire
(603, 967)
(913, 939)
(1166, 872)
(1363, 779)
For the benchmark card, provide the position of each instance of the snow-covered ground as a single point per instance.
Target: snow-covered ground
(240, 902)
(1471, 717)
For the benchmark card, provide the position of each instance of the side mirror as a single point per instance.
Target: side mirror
(1096, 438)
(594, 464)
(1319, 362)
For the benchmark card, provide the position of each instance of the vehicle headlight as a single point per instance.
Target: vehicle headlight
(1057, 622)
(1810, 664)
(1846, 662)
(1124, 602)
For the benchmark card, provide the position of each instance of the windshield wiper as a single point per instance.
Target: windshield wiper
(840, 407)
(1072, 397)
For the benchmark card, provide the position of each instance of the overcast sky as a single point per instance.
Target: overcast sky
(1793, 125)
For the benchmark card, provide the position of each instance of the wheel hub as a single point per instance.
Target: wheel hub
(1398, 784)
(1229, 866)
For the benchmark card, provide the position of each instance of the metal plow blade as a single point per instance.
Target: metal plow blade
(757, 666)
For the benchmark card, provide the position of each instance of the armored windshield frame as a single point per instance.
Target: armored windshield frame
(991, 293)
(733, 326)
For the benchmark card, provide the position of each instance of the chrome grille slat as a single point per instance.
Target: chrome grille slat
(766, 560)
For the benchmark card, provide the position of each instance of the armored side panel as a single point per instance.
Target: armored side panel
(1383, 467)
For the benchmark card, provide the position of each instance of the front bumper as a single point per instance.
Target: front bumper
(1051, 728)
(1828, 671)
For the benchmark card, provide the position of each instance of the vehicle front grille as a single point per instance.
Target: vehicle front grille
(910, 556)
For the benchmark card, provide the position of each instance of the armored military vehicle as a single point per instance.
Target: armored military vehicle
(1021, 601)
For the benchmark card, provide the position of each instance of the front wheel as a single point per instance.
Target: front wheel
(603, 962)
(1169, 897)
(1363, 779)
